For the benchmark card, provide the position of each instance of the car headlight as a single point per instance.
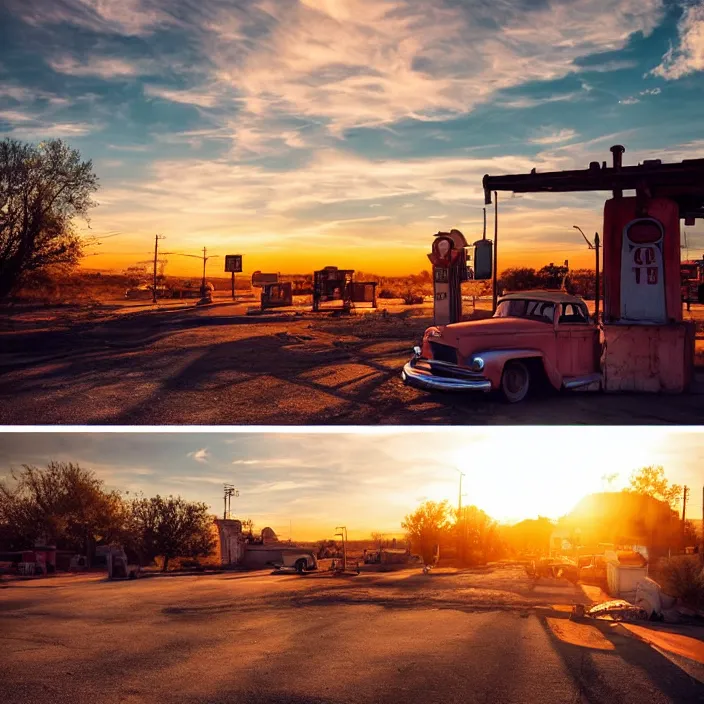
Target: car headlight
(476, 364)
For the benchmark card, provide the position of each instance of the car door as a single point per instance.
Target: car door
(577, 342)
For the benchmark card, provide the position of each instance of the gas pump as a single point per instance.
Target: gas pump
(646, 345)
(449, 259)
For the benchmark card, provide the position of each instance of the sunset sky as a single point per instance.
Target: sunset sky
(303, 133)
(368, 479)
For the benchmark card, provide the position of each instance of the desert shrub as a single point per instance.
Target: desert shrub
(412, 297)
(682, 576)
(386, 293)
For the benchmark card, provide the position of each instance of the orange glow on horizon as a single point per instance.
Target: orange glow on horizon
(373, 260)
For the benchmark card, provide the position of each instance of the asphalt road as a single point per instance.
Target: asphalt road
(217, 366)
(473, 636)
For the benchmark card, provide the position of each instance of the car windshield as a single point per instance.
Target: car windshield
(526, 308)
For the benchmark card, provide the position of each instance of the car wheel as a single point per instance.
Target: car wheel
(515, 382)
(300, 566)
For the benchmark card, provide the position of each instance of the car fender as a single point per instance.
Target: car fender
(495, 360)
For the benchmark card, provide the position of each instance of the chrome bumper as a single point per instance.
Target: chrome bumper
(425, 379)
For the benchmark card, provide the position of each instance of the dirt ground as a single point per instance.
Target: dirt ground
(482, 635)
(131, 363)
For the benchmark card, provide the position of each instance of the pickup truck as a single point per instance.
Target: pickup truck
(534, 336)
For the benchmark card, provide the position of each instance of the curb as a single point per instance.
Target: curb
(622, 630)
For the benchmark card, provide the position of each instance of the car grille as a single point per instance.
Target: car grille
(443, 353)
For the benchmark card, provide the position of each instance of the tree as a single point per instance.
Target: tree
(477, 535)
(518, 279)
(378, 539)
(170, 527)
(427, 525)
(651, 481)
(530, 536)
(43, 188)
(62, 504)
(552, 276)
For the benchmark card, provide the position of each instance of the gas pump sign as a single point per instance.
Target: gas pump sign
(642, 283)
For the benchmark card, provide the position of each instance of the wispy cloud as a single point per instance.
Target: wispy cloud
(555, 137)
(128, 17)
(199, 97)
(106, 68)
(272, 462)
(688, 56)
(201, 455)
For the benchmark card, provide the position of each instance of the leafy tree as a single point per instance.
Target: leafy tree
(651, 481)
(427, 526)
(552, 276)
(518, 279)
(477, 535)
(170, 527)
(43, 188)
(582, 282)
(62, 504)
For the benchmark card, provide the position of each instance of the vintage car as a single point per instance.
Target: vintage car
(297, 559)
(534, 336)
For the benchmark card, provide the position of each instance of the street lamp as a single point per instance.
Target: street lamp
(595, 247)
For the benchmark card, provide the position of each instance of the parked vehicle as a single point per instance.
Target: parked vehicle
(533, 336)
(301, 561)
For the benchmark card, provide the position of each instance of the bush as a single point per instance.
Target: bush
(386, 293)
(412, 297)
(683, 577)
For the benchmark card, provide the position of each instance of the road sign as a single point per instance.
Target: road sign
(233, 263)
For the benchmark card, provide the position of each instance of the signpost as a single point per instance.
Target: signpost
(233, 264)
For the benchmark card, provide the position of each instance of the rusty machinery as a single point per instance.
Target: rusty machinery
(641, 261)
(333, 284)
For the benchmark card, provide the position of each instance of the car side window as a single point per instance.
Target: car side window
(572, 314)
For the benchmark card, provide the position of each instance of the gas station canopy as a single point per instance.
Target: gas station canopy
(682, 182)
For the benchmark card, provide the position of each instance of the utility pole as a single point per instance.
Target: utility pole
(685, 492)
(202, 285)
(594, 246)
(597, 292)
(461, 523)
(495, 296)
(701, 545)
(343, 536)
(156, 252)
(229, 492)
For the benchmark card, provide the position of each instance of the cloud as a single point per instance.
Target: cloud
(15, 116)
(353, 63)
(48, 129)
(127, 17)
(629, 101)
(201, 98)
(651, 91)
(106, 68)
(563, 135)
(283, 485)
(273, 462)
(201, 455)
(688, 56)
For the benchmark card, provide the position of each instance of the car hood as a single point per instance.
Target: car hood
(495, 326)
